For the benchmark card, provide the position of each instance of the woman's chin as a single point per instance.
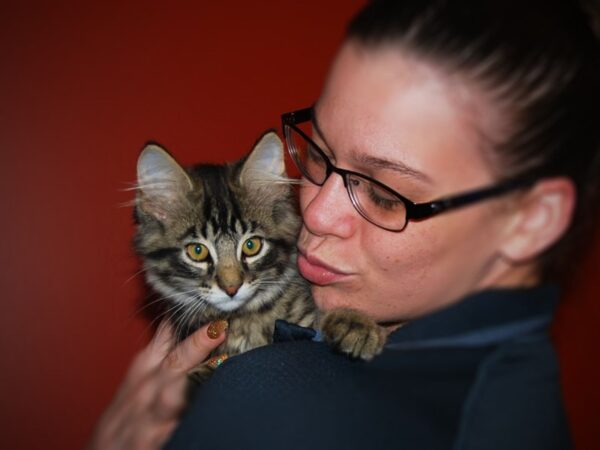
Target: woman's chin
(327, 298)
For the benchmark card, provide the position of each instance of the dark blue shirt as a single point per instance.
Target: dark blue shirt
(480, 374)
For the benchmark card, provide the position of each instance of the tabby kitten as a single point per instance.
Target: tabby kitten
(219, 242)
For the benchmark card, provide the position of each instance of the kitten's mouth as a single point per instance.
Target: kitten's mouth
(227, 304)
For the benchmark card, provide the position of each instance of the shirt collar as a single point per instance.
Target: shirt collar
(484, 318)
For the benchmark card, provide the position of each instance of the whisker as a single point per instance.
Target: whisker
(195, 306)
(127, 204)
(163, 298)
(187, 318)
(142, 270)
(161, 184)
(262, 178)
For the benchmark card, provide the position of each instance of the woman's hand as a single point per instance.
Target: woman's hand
(146, 408)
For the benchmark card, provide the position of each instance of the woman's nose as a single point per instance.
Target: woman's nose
(327, 209)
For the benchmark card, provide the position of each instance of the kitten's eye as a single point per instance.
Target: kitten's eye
(252, 246)
(198, 252)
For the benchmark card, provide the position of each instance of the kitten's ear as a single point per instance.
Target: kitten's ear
(162, 183)
(265, 164)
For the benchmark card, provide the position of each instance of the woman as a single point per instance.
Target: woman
(487, 108)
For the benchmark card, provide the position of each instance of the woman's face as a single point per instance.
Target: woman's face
(409, 126)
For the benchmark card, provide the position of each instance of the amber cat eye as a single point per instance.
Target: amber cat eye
(252, 246)
(197, 252)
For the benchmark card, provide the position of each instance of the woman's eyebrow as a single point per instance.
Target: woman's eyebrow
(376, 162)
(383, 163)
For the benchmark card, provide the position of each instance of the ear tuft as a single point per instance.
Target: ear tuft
(265, 164)
(162, 182)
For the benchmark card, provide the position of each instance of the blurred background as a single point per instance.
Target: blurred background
(83, 85)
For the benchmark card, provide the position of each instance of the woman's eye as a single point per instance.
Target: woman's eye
(384, 201)
(197, 252)
(313, 155)
(252, 246)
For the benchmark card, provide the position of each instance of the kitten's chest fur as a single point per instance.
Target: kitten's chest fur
(254, 329)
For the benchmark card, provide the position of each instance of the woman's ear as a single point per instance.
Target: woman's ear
(542, 216)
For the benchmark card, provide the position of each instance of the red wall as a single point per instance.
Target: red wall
(82, 86)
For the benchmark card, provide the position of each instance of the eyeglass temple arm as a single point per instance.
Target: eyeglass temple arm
(292, 118)
(417, 211)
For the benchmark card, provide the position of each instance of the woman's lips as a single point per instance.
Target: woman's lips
(318, 272)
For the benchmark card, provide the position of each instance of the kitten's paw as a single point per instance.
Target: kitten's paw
(353, 333)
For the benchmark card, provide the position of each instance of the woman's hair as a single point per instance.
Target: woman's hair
(540, 61)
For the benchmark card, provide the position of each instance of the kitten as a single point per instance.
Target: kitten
(219, 242)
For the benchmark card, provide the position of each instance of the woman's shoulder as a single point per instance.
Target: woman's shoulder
(301, 394)
(292, 368)
(284, 395)
(515, 400)
(305, 395)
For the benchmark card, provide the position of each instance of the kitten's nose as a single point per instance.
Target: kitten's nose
(229, 279)
(231, 290)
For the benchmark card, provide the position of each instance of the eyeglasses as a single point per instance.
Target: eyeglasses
(376, 202)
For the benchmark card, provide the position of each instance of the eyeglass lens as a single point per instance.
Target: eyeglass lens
(373, 202)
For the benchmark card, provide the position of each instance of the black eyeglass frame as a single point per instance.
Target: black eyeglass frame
(414, 211)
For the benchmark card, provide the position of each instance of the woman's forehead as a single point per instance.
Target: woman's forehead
(393, 106)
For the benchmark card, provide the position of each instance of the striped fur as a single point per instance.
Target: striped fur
(221, 206)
